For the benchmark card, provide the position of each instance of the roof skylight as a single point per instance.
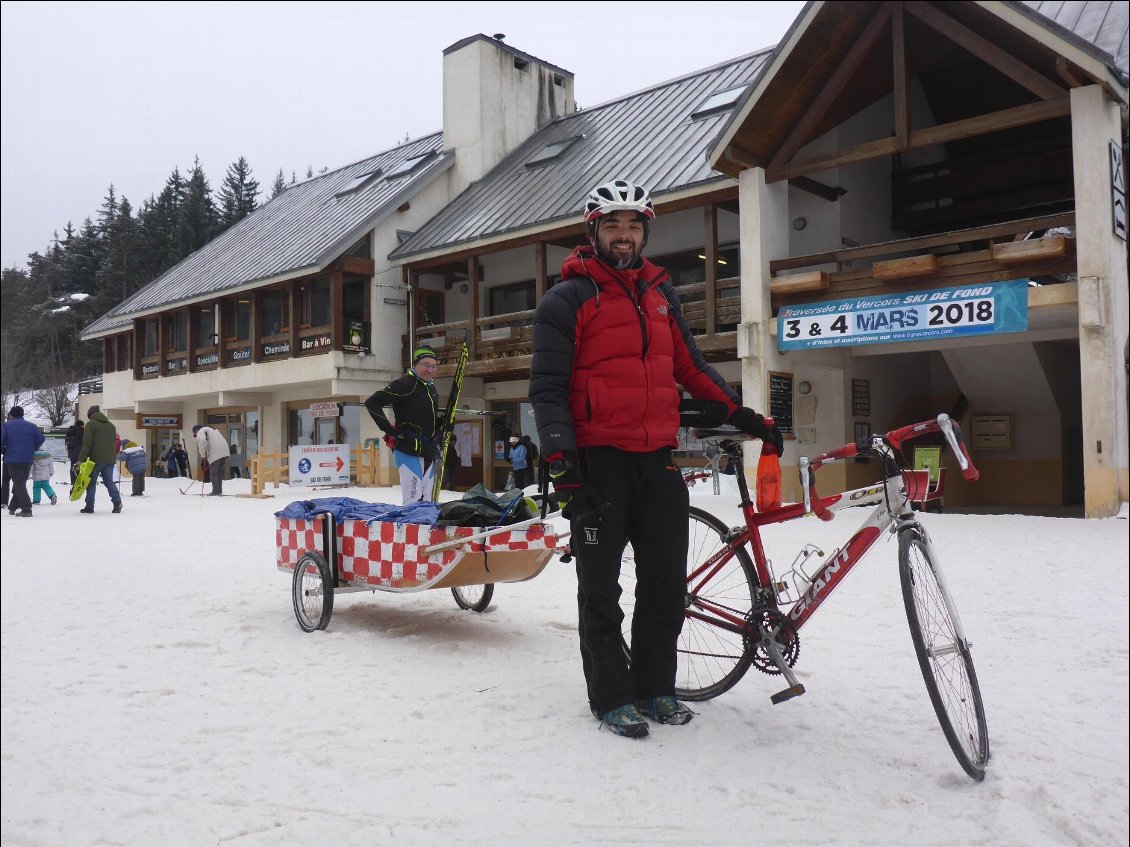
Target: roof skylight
(358, 182)
(408, 165)
(719, 101)
(551, 151)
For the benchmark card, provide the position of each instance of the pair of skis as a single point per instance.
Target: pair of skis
(449, 419)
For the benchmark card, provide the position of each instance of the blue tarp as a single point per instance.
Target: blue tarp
(348, 508)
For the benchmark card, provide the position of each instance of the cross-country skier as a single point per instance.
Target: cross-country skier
(414, 437)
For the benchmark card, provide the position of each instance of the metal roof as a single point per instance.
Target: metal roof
(1101, 25)
(648, 137)
(303, 229)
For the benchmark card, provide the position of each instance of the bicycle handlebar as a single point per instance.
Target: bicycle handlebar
(895, 438)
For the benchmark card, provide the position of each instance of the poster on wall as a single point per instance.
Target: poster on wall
(319, 464)
(781, 401)
(989, 309)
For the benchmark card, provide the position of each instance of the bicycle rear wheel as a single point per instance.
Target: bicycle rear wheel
(943, 656)
(711, 659)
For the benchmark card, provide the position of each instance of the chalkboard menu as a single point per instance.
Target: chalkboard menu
(781, 401)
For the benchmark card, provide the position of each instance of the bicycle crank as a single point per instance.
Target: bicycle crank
(776, 650)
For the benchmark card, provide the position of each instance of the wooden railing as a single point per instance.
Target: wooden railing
(365, 469)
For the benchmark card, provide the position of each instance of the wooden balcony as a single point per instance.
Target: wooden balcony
(504, 343)
(965, 257)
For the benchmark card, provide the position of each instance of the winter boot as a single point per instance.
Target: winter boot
(54, 499)
(117, 506)
(625, 720)
(87, 510)
(666, 710)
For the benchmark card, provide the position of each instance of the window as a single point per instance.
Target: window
(206, 326)
(238, 320)
(358, 182)
(690, 266)
(429, 307)
(274, 312)
(551, 151)
(719, 101)
(408, 165)
(314, 303)
(149, 345)
(515, 297)
(176, 332)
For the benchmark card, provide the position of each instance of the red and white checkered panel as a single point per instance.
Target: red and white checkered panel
(534, 537)
(389, 556)
(293, 537)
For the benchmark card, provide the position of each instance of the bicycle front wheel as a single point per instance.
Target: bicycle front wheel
(711, 657)
(943, 655)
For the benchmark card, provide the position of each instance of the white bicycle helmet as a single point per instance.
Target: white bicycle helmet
(620, 195)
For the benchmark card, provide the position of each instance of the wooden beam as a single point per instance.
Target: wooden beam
(1051, 247)
(980, 125)
(337, 316)
(473, 305)
(986, 51)
(1068, 72)
(710, 237)
(898, 52)
(540, 273)
(908, 268)
(812, 186)
(743, 158)
(832, 89)
(797, 283)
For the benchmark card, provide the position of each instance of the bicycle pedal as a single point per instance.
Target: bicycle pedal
(787, 694)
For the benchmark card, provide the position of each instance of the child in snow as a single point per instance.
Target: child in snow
(42, 469)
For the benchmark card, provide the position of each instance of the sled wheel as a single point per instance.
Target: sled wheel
(313, 592)
(474, 598)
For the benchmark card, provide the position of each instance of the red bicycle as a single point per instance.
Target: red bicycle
(739, 613)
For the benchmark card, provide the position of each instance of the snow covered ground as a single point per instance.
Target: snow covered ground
(157, 691)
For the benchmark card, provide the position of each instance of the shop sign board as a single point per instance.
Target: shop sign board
(970, 310)
(325, 410)
(319, 464)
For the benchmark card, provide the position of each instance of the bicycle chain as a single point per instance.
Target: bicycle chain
(785, 634)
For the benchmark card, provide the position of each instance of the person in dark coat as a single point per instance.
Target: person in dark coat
(73, 442)
(99, 444)
(414, 438)
(18, 444)
(611, 348)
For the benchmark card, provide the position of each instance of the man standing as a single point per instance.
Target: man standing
(611, 347)
(414, 438)
(99, 445)
(213, 448)
(19, 442)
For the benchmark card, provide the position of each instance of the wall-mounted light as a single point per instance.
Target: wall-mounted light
(799, 223)
(703, 257)
(804, 387)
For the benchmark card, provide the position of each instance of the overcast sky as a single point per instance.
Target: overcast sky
(101, 93)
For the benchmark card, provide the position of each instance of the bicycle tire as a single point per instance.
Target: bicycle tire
(473, 598)
(710, 659)
(312, 590)
(946, 662)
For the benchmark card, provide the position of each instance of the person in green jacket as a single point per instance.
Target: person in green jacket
(98, 445)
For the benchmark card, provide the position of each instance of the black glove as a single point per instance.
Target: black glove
(751, 423)
(578, 500)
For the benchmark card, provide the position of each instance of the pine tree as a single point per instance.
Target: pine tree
(197, 219)
(279, 185)
(239, 195)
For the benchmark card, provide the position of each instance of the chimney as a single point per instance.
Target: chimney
(494, 98)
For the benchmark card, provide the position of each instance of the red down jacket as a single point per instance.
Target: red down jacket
(610, 349)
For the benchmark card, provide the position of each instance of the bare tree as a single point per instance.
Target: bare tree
(13, 375)
(57, 401)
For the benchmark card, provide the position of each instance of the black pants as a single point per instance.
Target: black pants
(21, 500)
(216, 474)
(523, 477)
(647, 506)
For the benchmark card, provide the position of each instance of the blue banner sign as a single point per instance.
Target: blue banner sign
(987, 309)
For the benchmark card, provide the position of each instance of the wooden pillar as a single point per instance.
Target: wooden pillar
(540, 275)
(295, 314)
(222, 308)
(193, 338)
(138, 345)
(901, 103)
(162, 342)
(473, 306)
(710, 228)
(256, 329)
(337, 319)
